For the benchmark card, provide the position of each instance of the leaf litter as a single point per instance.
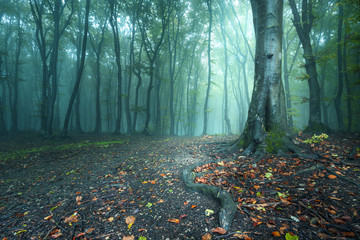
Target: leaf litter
(133, 190)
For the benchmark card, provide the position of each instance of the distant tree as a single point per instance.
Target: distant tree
(114, 10)
(206, 105)
(41, 9)
(153, 13)
(303, 27)
(80, 70)
(97, 42)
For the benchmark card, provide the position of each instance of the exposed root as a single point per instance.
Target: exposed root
(228, 207)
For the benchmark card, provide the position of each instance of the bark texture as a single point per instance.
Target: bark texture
(266, 126)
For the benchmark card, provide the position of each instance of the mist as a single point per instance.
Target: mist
(146, 67)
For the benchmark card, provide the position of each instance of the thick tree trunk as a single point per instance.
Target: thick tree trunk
(266, 124)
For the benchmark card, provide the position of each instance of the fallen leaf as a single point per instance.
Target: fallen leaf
(110, 219)
(183, 216)
(89, 230)
(276, 234)
(80, 234)
(193, 206)
(209, 212)
(332, 176)
(288, 236)
(219, 230)
(72, 218)
(348, 234)
(130, 221)
(242, 236)
(174, 220)
(56, 235)
(129, 237)
(48, 217)
(206, 237)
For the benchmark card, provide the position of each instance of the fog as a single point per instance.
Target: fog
(158, 82)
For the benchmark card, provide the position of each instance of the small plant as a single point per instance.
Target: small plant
(316, 138)
(274, 141)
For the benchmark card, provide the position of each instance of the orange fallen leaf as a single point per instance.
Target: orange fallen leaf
(174, 220)
(130, 221)
(219, 230)
(110, 219)
(56, 235)
(153, 182)
(332, 176)
(348, 234)
(206, 237)
(129, 237)
(276, 234)
(48, 217)
(89, 230)
(242, 236)
(80, 234)
(193, 206)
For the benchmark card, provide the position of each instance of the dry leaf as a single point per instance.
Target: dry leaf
(48, 217)
(129, 237)
(242, 236)
(276, 234)
(130, 221)
(219, 230)
(174, 220)
(348, 234)
(89, 230)
(206, 237)
(332, 176)
(110, 219)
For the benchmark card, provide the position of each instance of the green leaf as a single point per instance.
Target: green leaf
(142, 238)
(288, 236)
(149, 205)
(268, 175)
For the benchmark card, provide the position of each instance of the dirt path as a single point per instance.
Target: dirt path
(131, 187)
(92, 189)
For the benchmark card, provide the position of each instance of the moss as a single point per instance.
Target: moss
(275, 141)
(241, 142)
(23, 153)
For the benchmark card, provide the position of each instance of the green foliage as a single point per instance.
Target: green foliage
(274, 141)
(288, 236)
(316, 138)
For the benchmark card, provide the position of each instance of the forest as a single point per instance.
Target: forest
(174, 119)
(169, 67)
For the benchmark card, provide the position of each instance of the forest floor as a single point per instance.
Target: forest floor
(131, 187)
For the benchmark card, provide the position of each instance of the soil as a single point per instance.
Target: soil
(131, 187)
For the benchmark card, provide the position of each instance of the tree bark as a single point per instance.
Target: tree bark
(337, 99)
(79, 72)
(266, 118)
(206, 105)
(303, 28)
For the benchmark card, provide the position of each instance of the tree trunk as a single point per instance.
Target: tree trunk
(115, 30)
(206, 110)
(303, 29)
(79, 72)
(266, 124)
(226, 101)
(14, 107)
(337, 99)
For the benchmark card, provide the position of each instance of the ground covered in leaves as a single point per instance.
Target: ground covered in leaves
(130, 187)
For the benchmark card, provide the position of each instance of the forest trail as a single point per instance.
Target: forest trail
(131, 187)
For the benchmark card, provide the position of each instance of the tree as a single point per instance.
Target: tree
(80, 70)
(114, 8)
(153, 42)
(206, 105)
(49, 89)
(266, 121)
(303, 27)
(223, 34)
